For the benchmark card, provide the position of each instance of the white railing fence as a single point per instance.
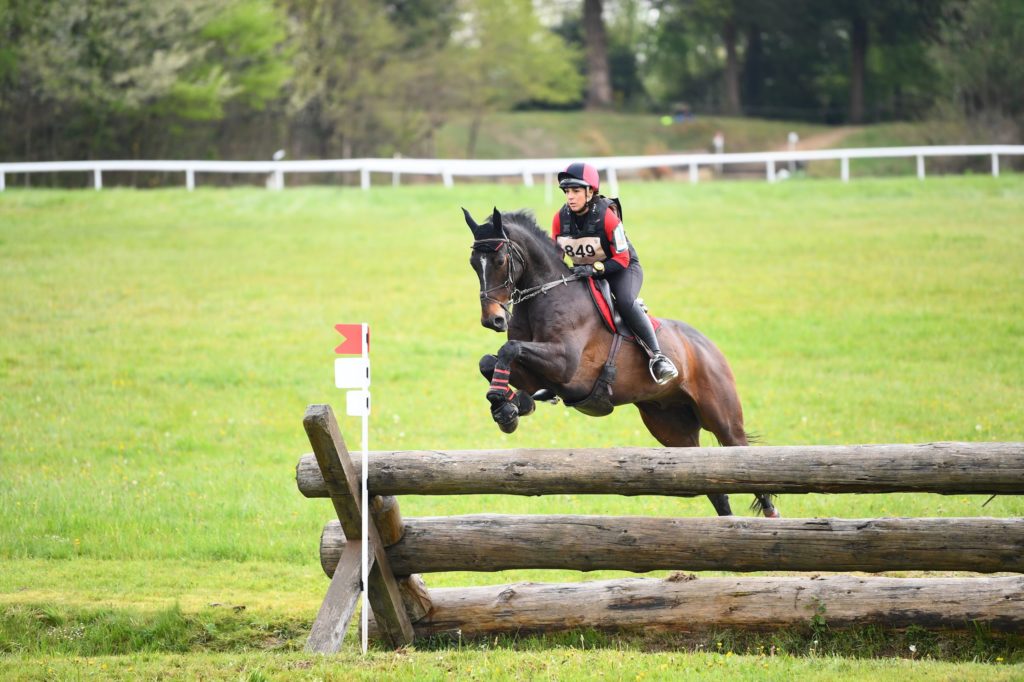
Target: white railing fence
(449, 169)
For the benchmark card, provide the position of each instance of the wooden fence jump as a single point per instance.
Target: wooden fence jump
(404, 548)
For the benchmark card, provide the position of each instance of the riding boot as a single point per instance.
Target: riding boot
(661, 368)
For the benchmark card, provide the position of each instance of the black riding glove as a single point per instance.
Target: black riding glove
(582, 271)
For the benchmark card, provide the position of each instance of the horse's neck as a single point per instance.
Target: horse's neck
(540, 268)
(555, 314)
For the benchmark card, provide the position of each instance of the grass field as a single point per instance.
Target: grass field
(160, 348)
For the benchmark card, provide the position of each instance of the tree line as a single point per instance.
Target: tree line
(83, 79)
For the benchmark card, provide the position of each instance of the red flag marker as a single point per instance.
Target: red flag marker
(353, 343)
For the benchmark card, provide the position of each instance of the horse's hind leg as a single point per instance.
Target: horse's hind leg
(678, 427)
(724, 418)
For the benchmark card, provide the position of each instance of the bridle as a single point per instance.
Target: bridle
(515, 295)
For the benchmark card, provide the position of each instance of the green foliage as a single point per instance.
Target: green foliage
(979, 56)
(104, 70)
(511, 59)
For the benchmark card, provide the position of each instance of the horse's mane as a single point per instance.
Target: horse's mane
(523, 222)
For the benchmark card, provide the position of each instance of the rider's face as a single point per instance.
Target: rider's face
(577, 197)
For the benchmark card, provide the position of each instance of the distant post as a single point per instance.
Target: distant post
(792, 138)
(718, 142)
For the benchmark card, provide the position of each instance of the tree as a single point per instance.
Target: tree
(599, 86)
(979, 59)
(98, 72)
(509, 59)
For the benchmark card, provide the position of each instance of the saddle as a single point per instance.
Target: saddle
(601, 295)
(599, 402)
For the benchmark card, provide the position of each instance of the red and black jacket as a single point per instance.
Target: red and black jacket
(597, 235)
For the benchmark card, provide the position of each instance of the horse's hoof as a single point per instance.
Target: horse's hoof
(506, 416)
(509, 427)
(772, 514)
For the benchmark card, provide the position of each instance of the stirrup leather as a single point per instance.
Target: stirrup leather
(662, 369)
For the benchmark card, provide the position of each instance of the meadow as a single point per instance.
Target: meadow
(160, 347)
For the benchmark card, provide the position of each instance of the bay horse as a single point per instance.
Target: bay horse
(558, 346)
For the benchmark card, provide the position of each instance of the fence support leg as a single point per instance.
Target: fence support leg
(920, 167)
(364, 178)
(190, 179)
(446, 177)
(770, 170)
(342, 482)
(844, 168)
(995, 169)
(527, 179)
(3, 181)
(97, 178)
(694, 175)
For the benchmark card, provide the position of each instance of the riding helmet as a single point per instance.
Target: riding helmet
(579, 175)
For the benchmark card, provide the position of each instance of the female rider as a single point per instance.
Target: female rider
(592, 236)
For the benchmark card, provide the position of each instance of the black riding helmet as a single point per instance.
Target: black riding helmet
(579, 175)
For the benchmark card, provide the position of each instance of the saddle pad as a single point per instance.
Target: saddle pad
(605, 311)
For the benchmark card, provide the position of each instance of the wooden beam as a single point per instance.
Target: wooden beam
(340, 602)
(493, 542)
(343, 485)
(686, 604)
(946, 468)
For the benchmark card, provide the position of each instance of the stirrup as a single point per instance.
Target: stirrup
(662, 370)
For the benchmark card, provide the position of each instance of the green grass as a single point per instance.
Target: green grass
(160, 348)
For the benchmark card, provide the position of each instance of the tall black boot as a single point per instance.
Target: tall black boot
(662, 369)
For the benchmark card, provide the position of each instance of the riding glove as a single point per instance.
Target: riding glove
(583, 271)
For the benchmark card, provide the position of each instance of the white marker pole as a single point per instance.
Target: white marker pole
(354, 373)
(364, 628)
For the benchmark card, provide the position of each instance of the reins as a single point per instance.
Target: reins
(516, 295)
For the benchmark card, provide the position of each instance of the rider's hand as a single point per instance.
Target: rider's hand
(583, 271)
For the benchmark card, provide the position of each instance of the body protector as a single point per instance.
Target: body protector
(596, 236)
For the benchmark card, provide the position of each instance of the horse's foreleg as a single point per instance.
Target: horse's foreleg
(532, 360)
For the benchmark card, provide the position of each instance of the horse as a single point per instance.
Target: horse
(558, 348)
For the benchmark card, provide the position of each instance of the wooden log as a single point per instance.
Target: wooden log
(679, 604)
(491, 542)
(387, 518)
(945, 468)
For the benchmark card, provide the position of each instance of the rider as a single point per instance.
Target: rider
(592, 235)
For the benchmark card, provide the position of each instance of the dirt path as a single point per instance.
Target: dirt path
(825, 140)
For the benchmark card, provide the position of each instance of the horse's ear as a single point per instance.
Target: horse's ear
(469, 221)
(496, 220)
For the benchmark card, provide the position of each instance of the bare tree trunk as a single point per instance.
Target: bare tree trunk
(858, 60)
(474, 133)
(599, 84)
(732, 69)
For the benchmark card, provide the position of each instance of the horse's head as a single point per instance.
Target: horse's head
(494, 260)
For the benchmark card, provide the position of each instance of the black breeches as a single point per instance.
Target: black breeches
(625, 285)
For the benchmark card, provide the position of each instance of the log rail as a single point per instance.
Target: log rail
(945, 468)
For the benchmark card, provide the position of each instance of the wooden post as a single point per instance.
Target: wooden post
(341, 478)
(844, 168)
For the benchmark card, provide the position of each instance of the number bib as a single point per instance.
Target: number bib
(582, 250)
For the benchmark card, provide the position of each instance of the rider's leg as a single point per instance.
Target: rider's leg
(626, 285)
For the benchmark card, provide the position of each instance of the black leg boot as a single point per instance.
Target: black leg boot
(662, 369)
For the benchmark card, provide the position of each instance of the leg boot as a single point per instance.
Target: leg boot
(662, 369)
